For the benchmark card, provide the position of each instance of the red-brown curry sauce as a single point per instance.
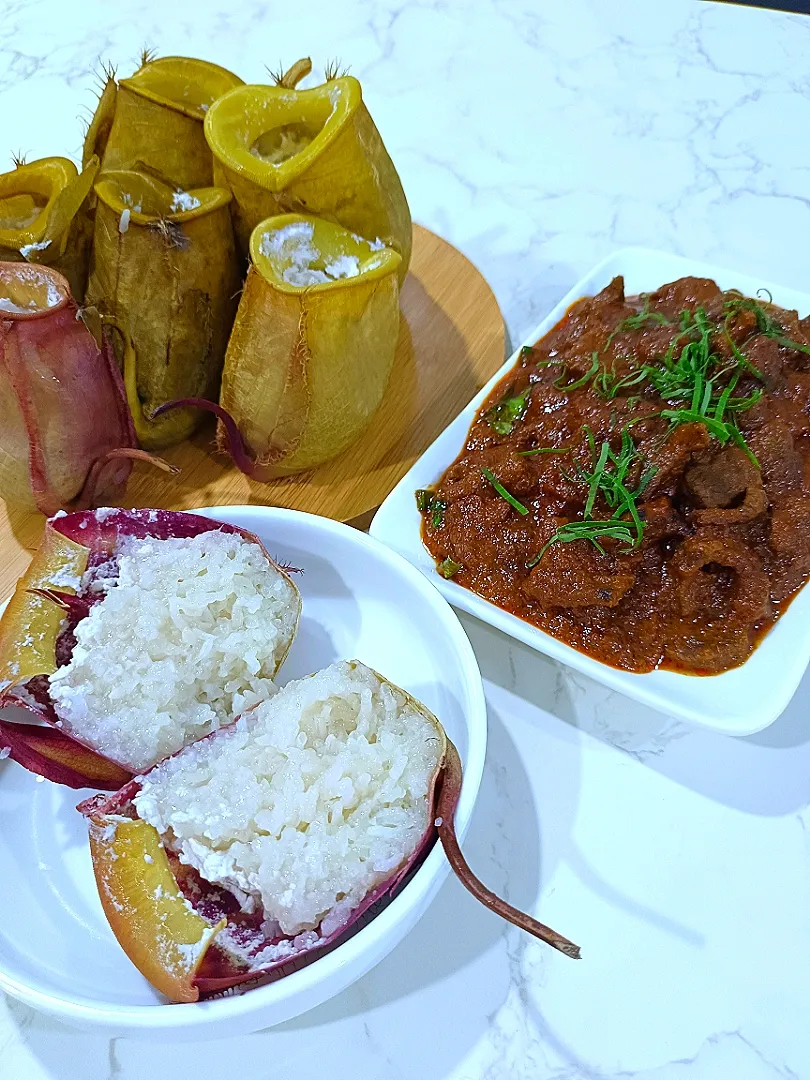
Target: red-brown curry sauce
(707, 508)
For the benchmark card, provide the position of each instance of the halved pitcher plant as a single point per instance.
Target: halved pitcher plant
(40, 628)
(191, 938)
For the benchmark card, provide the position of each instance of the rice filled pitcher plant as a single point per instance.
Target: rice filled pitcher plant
(282, 150)
(66, 435)
(155, 118)
(45, 216)
(166, 277)
(312, 346)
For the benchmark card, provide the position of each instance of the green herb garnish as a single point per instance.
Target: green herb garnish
(424, 497)
(448, 568)
(766, 323)
(504, 414)
(683, 375)
(637, 322)
(544, 450)
(428, 502)
(607, 384)
(560, 383)
(738, 354)
(689, 373)
(589, 530)
(489, 475)
(607, 478)
(437, 510)
(691, 376)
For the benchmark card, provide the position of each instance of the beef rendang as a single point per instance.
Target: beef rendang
(638, 485)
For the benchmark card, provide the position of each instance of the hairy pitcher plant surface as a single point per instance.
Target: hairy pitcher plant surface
(270, 842)
(281, 150)
(66, 435)
(134, 632)
(155, 118)
(311, 349)
(45, 216)
(166, 278)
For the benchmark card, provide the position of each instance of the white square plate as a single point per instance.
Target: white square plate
(737, 702)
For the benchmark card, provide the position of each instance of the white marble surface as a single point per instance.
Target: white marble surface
(537, 136)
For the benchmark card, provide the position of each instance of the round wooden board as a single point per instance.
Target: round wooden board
(451, 341)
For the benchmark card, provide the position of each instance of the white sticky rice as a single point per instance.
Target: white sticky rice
(307, 802)
(189, 634)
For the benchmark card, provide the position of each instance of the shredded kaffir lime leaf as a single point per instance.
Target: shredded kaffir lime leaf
(607, 384)
(448, 568)
(691, 373)
(607, 478)
(489, 475)
(692, 377)
(561, 384)
(766, 323)
(638, 321)
(594, 531)
(544, 450)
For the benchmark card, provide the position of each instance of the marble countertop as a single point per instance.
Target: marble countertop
(537, 137)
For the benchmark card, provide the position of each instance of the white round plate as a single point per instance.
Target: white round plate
(360, 601)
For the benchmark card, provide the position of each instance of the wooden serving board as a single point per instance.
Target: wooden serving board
(451, 341)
